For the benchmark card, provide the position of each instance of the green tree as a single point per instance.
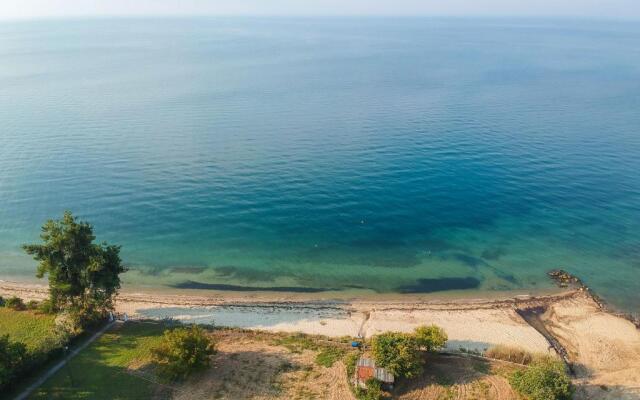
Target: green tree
(543, 380)
(398, 352)
(84, 277)
(431, 338)
(183, 351)
(12, 355)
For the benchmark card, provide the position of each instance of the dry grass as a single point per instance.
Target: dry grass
(513, 354)
(257, 365)
(454, 377)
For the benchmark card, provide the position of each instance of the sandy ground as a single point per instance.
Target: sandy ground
(253, 367)
(452, 377)
(604, 347)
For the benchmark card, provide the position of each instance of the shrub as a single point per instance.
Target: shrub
(431, 337)
(47, 307)
(399, 353)
(12, 356)
(372, 392)
(543, 380)
(1, 301)
(183, 351)
(15, 303)
(85, 316)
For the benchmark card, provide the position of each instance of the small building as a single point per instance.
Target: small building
(366, 369)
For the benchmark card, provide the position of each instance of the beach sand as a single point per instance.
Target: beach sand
(604, 348)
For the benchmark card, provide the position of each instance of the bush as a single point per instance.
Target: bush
(372, 392)
(85, 317)
(15, 303)
(47, 307)
(399, 353)
(183, 351)
(543, 380)
(1, 301)
(431, 337)
(12, 356)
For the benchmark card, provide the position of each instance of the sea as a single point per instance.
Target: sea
(336, 156)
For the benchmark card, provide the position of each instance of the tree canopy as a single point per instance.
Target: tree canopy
(431, 338)
(398, 352)
(83, 275)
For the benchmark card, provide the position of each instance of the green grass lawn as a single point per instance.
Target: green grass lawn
(28, 327)
(104, 369)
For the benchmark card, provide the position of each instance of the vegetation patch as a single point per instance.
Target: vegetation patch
(28, 339)
(298, 342)
(543, 380)
(183, 351)
(329, 355)
(116, 366)
(29, 327)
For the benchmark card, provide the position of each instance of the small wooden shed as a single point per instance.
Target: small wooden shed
(366, 369)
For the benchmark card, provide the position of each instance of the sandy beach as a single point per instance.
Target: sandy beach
(604, 348)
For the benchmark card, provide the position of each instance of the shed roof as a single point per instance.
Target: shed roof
(366, 368)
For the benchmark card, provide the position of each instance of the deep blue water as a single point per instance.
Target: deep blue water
(373, 155)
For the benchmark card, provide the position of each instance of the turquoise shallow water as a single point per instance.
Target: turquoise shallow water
(380, 155)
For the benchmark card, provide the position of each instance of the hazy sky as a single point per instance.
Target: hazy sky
(574, 8)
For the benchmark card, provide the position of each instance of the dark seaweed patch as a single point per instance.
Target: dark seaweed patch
(428, 285)
(493, 254)
(238, 288)
(507, 277)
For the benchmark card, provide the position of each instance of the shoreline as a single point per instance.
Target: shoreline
(601, 348)
(195, 296)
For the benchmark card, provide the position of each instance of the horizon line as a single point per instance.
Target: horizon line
(320, 16)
